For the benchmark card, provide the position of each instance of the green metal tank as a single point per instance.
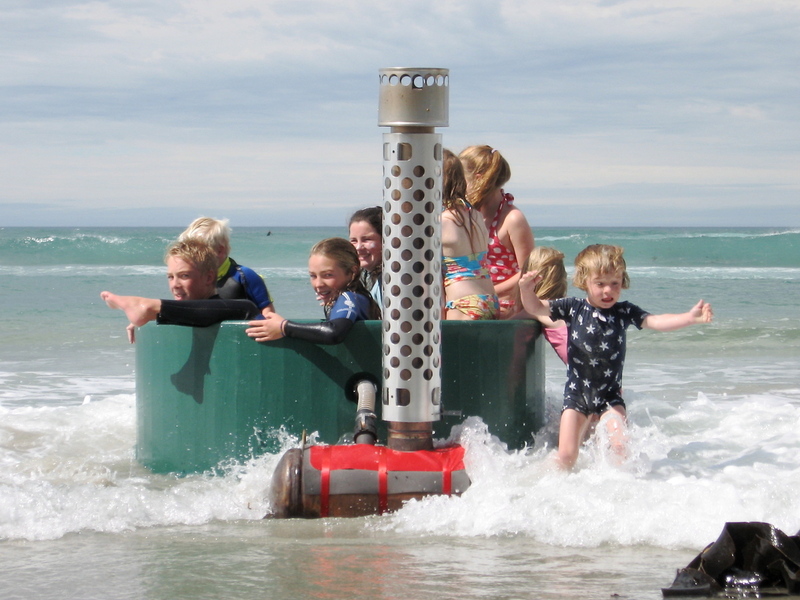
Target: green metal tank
(207, 397)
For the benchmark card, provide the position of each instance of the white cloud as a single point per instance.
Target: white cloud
(246, 102)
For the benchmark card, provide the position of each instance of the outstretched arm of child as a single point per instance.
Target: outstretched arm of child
(699, 313)
(270, 328)
(274, 327)
(530, 301)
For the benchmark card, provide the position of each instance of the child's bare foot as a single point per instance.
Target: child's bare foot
(138, 310)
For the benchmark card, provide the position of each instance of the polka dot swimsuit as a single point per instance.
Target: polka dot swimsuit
(502, 261)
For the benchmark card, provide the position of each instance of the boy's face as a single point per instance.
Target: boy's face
(603, 289)
(222, 254)
(187, 282)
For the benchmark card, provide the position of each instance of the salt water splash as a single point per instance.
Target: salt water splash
(72, 468)
(691, 468)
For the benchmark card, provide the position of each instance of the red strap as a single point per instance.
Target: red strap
(325, 481)
(383, 483)
(447, 478)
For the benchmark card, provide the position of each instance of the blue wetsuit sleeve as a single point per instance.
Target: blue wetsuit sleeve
(350, 305)
(255, 286)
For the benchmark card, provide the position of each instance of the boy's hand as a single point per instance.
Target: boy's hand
(701, 312)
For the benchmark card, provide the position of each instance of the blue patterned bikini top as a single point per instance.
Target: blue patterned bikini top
(470, 266)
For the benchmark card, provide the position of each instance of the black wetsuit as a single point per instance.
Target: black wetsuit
(348, 308)
(202, 313)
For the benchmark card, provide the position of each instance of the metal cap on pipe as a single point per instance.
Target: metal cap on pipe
(414, 97)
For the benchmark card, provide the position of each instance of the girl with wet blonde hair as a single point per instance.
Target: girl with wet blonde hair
(335, 275)
(510, 235)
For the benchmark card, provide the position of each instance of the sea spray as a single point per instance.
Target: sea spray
(72, 468)
(672, 491)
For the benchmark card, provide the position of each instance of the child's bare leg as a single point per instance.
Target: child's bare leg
(616, 426)
(591, 423)
(572, 430)
(138, 310)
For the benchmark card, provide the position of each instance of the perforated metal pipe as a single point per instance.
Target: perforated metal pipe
(412, 103)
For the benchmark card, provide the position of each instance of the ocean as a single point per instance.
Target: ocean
(714, 418)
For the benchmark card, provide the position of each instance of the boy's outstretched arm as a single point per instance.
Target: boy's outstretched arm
(532, 304)
(699, 313)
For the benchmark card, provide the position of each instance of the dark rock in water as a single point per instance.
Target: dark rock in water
(749, 558)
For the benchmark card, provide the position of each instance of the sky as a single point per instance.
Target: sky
(610, 113)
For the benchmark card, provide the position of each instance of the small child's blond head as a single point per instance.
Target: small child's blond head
(549, 263)
(599, 259)
(214, 232)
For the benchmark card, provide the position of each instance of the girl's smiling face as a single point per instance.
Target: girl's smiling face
(603, 289)
(367, 243)
(327, 277)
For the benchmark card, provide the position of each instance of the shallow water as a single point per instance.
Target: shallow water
(323, 559)
(714, 415)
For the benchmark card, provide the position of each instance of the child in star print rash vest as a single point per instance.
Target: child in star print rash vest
(596, 343)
